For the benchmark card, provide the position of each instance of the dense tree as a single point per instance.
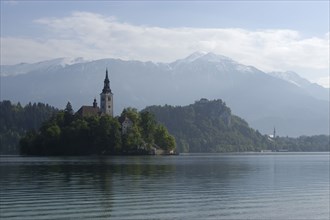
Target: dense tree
(148, 126)
(205, 126)
(303, 143)
(208, 126)
(68, 134)
(132, 114)
(16, 120)
(68, 108)
(164, 139)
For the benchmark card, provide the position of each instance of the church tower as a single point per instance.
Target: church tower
(106, 97)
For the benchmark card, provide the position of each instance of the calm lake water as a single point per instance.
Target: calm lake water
(192, 186)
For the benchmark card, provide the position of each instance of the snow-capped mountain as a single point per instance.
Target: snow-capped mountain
(264, 100)
(209, 57)
(23, 68)
(313, 89)
(222, 63)
(291, 77)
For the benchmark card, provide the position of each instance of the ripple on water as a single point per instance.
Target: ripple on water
(199, 187)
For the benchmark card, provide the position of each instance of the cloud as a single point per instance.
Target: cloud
(93, 36)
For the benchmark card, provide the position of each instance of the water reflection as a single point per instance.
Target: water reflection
(202, 186)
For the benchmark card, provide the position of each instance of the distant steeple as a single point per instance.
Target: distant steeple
(106, 88)
(274, 139)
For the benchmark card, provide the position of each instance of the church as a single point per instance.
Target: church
(106, 100)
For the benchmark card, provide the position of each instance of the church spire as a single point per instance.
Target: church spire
(106, 74)
(106, 97)
(106, 88)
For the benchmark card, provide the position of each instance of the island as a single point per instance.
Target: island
(206, 126)
(94, 130)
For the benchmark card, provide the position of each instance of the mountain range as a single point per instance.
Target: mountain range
(284, 100)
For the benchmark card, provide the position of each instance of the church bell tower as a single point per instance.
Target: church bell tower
(106, 97)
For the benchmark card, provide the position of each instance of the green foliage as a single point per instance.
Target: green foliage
(68, 134)
(205, 126)
(132, 114)
(164, 139)
(16, 120)
(208, 126)
(132, 138)
(148, 126)
(304, 143)
(68, 108)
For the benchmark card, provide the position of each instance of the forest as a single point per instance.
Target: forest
(209, 126)
(205, 126)
(70, 134)
(16, 120)
(304, 143)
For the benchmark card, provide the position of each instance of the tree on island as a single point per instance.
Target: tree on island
(69, 134)
(205, 126)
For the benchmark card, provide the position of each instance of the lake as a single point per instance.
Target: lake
(189, 186)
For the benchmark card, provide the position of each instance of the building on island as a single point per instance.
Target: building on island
(106, 95)
(89, 110)
(126, 123)
(106, 99)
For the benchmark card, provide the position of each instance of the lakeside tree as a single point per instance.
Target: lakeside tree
(208, 126)
(16, 120)
(304, 143)
(69, 134)
(205, 126)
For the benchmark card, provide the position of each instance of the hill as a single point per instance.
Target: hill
(295, 107)
(209, 126)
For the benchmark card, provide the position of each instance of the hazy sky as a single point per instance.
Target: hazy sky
(270, 35)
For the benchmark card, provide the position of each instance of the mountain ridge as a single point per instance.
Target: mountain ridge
(313, 88)
(263, 100)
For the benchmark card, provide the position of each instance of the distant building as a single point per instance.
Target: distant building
(126, 123)
(106, 98)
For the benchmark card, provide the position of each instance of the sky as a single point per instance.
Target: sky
(270, 35)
